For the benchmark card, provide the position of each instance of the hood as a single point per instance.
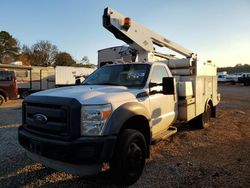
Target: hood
(92, 94)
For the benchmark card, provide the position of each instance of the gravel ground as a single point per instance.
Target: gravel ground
(215, 157)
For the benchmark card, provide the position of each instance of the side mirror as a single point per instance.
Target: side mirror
(78, 81)
(168, 86)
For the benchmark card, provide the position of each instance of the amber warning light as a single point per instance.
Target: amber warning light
(126, 23)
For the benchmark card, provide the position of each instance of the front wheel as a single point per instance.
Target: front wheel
(129, 157)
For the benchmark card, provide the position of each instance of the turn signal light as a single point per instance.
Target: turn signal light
(126, 23)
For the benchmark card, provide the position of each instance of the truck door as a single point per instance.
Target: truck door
(162, 107)
(8, 84)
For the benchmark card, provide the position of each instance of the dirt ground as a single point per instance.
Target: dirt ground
(215, 157)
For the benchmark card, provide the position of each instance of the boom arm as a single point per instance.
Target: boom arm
(139, 37)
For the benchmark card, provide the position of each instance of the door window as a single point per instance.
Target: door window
(158, 73)
(5, 76)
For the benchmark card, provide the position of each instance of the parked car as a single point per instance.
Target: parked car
(8, 86)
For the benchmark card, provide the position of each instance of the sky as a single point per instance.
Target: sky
(217, 30)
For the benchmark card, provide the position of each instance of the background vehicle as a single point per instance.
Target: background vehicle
(31, 79)
(120, 109)
(223, 78)
(8, 86)
(245, 79)
(233, 78)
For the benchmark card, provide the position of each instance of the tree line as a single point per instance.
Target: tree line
(239, 68)
(42, 53)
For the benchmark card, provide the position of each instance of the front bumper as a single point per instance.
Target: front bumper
(80, 151)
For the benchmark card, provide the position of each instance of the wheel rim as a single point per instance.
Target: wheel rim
(135, 159)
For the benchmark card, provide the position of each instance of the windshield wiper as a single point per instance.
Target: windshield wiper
(105, 83)
(86, 84)
(109, 84)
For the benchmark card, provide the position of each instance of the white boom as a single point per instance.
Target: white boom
(138, 37)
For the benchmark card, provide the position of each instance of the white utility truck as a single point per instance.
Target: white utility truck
(114, 116)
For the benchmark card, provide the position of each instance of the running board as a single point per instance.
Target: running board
(164, 136)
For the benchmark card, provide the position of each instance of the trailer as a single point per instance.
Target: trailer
(31, 79)
(67, 76)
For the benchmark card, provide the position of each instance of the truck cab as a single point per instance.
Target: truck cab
(8, 86)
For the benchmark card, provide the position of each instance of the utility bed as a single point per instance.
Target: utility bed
(196, 84)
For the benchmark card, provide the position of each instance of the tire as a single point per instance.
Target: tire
(203, 120)
(24, 94)
(129, 157)
(2, 100)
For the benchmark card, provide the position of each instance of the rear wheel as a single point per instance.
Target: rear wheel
(129, 157)
(24, 94)
(2, 100)
(203, 121)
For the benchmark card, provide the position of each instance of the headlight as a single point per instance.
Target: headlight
(93, 119)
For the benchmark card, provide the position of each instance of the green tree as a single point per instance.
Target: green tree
(64, 59)
(9, 46)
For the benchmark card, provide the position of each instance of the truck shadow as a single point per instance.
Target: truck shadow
(99, 180)
(32, 174)
(185, 127)
(17, 170)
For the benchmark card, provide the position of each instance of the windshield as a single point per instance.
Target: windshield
(129, 75)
